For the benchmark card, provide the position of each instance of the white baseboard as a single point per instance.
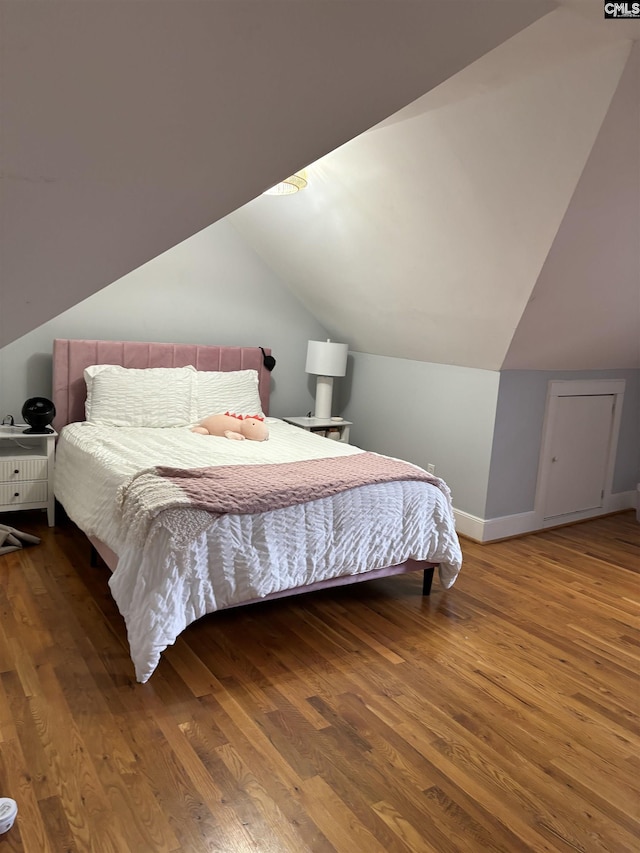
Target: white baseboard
(469, 525)
(509, 525)
(490, 529)
(621, 500)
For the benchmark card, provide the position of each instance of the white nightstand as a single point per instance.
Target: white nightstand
(326, 427)
(26, 470)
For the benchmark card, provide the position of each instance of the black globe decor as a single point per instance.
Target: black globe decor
(38, 412)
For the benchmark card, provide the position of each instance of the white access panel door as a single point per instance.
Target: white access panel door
(581, 429)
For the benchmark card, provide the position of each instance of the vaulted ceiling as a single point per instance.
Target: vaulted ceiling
(492, 223)
(466, 162)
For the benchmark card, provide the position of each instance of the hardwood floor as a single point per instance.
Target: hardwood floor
(501, 715)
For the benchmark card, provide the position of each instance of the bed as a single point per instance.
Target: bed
(124, 412)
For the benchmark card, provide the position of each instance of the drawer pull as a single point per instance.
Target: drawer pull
(16, 494)
(17, 471)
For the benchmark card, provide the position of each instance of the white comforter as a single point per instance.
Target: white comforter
(162, 587)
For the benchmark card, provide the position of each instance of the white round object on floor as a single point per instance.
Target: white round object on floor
(8, 812)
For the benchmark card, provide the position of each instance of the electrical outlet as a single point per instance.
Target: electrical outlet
(431, 468)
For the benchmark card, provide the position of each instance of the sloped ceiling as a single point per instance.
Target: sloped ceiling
(594, 323)
(424, 237)
(489, 217)
(127, 127)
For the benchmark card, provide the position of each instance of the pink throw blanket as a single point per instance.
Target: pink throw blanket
(163, 493)
(248, 489)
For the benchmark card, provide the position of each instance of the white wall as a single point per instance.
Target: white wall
(518, 437)
(426, 413)
(211, 289)
(482, 429)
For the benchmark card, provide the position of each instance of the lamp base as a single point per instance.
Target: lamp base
(324, 392)
(37, 430)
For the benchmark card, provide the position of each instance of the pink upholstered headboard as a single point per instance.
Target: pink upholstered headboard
(70, 357)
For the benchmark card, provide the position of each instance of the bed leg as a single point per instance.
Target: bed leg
(427, 580)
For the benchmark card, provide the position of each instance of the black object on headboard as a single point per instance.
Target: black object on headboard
(268, 360)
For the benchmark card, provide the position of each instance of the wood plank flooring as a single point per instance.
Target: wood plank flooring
(501, 715)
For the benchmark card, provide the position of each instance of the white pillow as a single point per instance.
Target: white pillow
(233, 391)
(89, 373)
(147, 397)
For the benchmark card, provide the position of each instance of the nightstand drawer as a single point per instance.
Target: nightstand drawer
(24, 492)
(26, 470)
(22, 469)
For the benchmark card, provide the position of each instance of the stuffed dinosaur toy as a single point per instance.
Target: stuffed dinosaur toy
(235, 427)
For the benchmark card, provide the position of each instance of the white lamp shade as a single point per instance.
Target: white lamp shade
(326, 358)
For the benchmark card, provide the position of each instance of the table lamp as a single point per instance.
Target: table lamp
(325, 359)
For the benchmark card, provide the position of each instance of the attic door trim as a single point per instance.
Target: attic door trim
(577, 388)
